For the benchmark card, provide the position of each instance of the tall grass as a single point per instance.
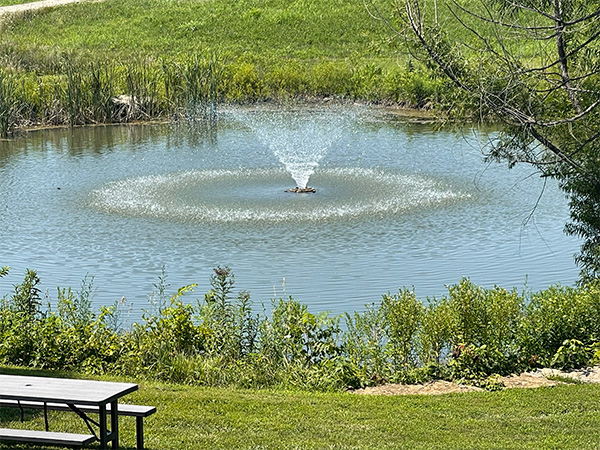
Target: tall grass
(190, 88)
(8, 103)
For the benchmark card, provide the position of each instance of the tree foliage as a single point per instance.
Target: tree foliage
(532, 65)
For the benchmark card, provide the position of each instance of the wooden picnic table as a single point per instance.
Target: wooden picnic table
(73, 392)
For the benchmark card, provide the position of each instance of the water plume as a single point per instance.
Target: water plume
(299, 139)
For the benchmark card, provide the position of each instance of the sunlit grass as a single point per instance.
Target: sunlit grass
(188, 417)
(303, 29)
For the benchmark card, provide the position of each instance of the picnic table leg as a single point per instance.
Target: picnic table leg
(114, 424)
(103, 432)
(139, 432)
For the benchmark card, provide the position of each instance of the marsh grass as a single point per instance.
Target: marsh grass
(8, 103)
(190, 88)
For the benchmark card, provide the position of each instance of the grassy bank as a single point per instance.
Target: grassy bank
(117, 61)
(565, 417)
(256, 30)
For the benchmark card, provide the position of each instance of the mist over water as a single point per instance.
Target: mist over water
(397, 204)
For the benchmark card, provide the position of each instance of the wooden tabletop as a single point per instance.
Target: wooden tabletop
(62, 390)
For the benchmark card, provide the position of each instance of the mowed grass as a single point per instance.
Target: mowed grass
(257, 30)
(188, 417)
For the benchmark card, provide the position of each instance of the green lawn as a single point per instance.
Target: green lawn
(188, 417)
(264, 30)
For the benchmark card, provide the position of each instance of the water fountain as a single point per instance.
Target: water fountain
(244, 184)
(300, 140)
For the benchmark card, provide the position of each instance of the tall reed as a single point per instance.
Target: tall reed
(8, 103)
(192, 86)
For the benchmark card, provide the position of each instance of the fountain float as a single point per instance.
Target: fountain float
(299, 190)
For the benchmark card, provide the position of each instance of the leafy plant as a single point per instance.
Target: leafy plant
(572, 354)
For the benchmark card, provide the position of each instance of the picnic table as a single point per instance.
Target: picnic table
(77, 395)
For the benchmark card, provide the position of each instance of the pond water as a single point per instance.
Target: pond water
(397, 204)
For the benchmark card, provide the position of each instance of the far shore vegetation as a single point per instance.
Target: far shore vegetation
(131, 60)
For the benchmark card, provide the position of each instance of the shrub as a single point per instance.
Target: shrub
(402, 316)
(572, 354)
(286, 80)
(382, 342)
(435, 332)
(295, 336)
(556, 315)
(364, 343)
(241, 82)
(330, 78)
(366, 82)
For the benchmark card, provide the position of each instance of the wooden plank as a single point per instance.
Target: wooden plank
(125, 409)
(46, 437)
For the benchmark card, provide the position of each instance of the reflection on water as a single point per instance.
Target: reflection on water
(397, 205)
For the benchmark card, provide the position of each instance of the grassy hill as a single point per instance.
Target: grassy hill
(266, 30)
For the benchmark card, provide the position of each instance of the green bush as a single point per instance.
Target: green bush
(412, 87)
(402, 317)
(572, 354)
(364, 343)
(329, 78)
(556, 315)
(242, 83)
(287, 80)
(471, 335)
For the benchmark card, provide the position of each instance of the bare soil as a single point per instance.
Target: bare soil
(538, 378)
(35, 5)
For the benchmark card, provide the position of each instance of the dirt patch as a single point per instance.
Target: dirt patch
(538, 378)
(431, 388)
(35, 5)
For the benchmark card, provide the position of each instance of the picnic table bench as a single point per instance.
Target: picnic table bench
(80, 396)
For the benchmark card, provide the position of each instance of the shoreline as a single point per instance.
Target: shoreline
(412, 115)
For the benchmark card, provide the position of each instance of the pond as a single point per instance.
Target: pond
(397, 204)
